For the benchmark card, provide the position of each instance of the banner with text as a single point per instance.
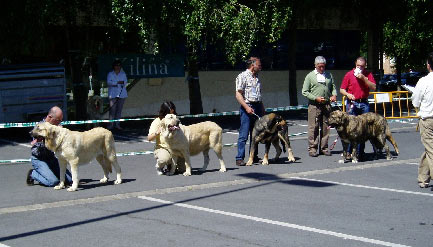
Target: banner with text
(142, 65)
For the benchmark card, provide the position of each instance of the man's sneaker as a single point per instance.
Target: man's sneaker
(240, 163)
(30, 181)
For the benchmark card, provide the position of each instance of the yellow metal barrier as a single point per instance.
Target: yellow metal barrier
(399, 102)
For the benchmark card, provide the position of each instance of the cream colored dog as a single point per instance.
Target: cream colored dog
(78, 148)
(185, 141)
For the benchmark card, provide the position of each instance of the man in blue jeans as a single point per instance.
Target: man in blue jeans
(356, 86)
(248, 94)
(45, 164)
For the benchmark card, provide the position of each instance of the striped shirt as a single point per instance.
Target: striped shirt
(250, 86)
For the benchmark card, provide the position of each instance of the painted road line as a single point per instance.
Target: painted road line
(186, 188)
(365, 186)
(274, 222)
(232, 132)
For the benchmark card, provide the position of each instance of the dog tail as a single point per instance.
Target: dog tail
(284, 132)
(391, 139)
(284, 145)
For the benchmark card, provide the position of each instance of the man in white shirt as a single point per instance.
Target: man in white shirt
(249, 96)
(116, 82)
(422, 98)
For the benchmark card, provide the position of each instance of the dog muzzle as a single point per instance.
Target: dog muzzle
(173, 127)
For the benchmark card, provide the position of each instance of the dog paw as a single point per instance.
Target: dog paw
(265, 163)
(103, 181)
(388, 158)
(118, 181)
(59, 187)
(71, 189)
(291, 159)
(354, 161)
(249, 163)
(223, 169)
(159, 172)
(187, 174)
(341, 161)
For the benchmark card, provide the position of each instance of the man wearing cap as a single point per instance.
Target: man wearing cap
(116, 82)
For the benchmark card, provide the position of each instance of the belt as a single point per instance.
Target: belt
(360, 100)
(311, 102)
(254, 102)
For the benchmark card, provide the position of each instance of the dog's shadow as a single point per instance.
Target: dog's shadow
(197, 171)
(283, 160)
(279, 161)
(86, 184)
(370, 156)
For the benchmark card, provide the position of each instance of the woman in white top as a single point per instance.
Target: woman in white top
(116, 82)
(161, 153)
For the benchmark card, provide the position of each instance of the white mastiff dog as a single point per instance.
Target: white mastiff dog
(78, 148)
(185, 141)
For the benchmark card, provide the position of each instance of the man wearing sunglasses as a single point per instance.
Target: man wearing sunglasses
(45, 165)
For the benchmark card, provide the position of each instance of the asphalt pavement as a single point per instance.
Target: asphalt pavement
(311, 202)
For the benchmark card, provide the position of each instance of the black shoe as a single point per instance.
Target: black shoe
(30, 181)
(240, 163)
(326, 153)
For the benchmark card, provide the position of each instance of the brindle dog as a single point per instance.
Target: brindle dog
(270, 129)
(358, 129)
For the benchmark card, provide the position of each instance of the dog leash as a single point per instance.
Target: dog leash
(256, 115)
(333, 144)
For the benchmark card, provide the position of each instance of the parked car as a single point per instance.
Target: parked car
(389, 81)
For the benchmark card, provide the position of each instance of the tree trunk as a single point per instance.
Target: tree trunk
(398, 68)
(373, 36)
(293, 92)
(195, 103)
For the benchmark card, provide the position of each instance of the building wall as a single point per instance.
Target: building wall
(217, 92)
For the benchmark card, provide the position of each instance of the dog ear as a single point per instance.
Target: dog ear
(344, 118)
(50, 133)
(162, 123)
(273, 122)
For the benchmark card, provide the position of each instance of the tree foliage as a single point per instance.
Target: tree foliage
(238, 24)
(408, 33)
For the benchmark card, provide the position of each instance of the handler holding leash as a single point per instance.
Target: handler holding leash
(356, 86)
(422, 98)
(249, 96)
(320, 90)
